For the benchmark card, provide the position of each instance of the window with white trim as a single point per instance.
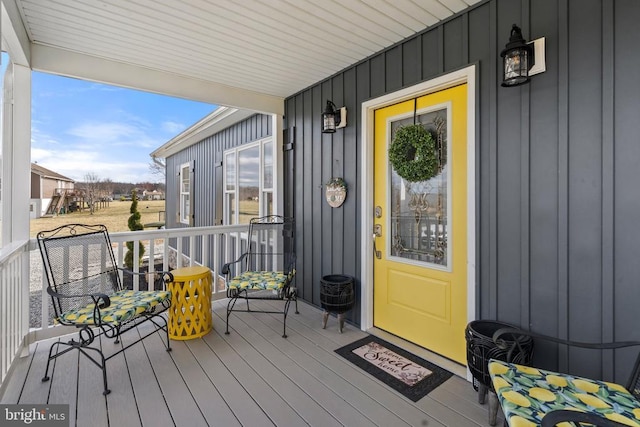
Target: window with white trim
(185, 191)
(248, 182)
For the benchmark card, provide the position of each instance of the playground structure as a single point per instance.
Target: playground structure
(66, 200)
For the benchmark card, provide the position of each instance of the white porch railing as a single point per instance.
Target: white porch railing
(21, 266)
(14, 302)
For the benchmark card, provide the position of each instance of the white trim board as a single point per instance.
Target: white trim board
(62, 62)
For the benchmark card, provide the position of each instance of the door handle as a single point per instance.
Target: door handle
(377, 232)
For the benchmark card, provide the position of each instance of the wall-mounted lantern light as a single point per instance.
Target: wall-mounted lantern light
(333, 118)
(521, 60)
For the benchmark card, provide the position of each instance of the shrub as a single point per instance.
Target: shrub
(134, 225)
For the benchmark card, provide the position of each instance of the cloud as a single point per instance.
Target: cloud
(81, 127)
(102, 131)
(77, 164)
(40, 138)
(115, 150)
(172, 127)
(103, 88)
(112, 134)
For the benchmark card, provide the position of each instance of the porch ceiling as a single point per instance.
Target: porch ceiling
(261, 48)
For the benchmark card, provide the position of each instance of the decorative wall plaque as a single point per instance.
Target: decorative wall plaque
(336, 192)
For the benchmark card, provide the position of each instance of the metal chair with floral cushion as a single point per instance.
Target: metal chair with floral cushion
(86, 289)
(266, 268)
(530, 396)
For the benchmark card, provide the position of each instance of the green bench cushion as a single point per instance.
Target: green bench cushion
(259, 280)
(526, 394)
(125, 305)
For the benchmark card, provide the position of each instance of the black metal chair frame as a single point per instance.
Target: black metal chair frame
(250, 261)
(557, 416)
(66, 291)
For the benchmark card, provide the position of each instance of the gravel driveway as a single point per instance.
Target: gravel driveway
(35, 291)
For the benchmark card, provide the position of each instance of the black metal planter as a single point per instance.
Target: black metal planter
(336, 296)
(481, 348)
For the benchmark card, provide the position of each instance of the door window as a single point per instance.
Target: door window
(420, 210)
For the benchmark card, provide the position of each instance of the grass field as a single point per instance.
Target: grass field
(114, 217)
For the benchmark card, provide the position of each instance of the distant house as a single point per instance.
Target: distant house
(153, 195)
(46, 185)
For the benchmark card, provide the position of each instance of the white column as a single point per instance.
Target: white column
(16, 154)
(21, 151)
(7, 153)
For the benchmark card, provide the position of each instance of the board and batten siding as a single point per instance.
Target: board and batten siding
(557, 190)
(207, 155)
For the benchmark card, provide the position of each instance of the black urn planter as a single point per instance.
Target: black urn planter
(481, 348)
(337, 295)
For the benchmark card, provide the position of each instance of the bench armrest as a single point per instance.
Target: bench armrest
(100, 299)
(552, 418)
(226, 268)
(515, 333)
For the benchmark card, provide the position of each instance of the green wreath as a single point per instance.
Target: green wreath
(413, 153)
(337, 182)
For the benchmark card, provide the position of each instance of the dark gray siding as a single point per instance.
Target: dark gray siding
(207, 155)
(558, 192)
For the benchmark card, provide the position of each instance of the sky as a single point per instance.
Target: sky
(80, 128)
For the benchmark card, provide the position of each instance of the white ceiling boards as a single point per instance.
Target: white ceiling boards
(220, 51)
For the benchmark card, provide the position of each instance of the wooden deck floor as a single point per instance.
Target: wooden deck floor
(252, 377)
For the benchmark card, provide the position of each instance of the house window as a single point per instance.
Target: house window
(230, 187)
(267, 178)
(248, 182)
(185, 191)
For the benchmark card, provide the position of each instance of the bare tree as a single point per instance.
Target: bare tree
(106, 187)
(158, 166)
(91, 188)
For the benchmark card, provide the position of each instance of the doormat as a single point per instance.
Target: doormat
(406, 373)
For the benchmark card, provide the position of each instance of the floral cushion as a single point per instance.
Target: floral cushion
(125, 305)
(260, 280)
(527, 394)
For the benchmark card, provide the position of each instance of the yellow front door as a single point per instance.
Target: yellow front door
(420, 268)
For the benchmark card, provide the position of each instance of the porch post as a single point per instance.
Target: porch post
(16, 159)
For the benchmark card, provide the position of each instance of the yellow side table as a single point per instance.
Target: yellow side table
(190, 311)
